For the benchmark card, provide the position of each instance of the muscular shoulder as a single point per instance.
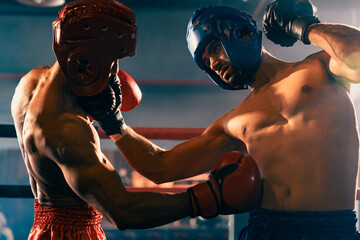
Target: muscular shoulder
(33, 77)
(323, 60)
(319, 60)
(24, 92)
(28, 85)
(224, 131)
(30, 81)
(70, 138)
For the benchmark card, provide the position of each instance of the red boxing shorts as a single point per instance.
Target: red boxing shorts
(59, 223)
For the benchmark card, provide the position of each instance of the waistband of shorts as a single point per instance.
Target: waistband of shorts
(304, 221)
(71, 216)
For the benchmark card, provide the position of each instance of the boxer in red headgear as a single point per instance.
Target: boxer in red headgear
(89, 35)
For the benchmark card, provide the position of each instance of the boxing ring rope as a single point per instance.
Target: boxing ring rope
(164, 133)
(24, 191)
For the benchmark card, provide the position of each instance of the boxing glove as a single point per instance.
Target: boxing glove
(286, 21)
(131, 93)
(105, 107)
(234, 186)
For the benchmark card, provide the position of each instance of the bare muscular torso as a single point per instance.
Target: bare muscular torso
(301, 129)
(39, 109)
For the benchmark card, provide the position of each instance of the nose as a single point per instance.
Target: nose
(215, 64)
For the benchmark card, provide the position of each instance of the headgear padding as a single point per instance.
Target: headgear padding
(236, 31)
(89, 35)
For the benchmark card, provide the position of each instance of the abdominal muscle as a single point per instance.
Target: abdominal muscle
(304, 170)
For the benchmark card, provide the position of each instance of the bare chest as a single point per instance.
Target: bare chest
(303, 101)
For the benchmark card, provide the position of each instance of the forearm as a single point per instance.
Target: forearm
(147, 210)
(100, 185)
(186, 159)
(132, 210)
(341, 42)
(142, 154)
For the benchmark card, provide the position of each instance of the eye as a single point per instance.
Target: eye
(206, 61)
(214, 48)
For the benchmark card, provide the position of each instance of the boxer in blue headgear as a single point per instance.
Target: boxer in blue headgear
(237, 33)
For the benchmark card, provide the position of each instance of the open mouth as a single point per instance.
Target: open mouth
(230, 75)
(227, 73)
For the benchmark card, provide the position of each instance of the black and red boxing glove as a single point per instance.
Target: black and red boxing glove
(121, 94)
(105, 106)
(234, 186)
(286, 21)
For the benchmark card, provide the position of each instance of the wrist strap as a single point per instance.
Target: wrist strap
(117, 136)
(300, 27)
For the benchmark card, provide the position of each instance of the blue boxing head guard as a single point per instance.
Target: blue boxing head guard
(229, 26)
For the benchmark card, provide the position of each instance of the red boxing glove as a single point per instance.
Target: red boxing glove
(131, 93)
(234, 186)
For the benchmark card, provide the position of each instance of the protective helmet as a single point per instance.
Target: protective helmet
(229, 26)
(89, 35)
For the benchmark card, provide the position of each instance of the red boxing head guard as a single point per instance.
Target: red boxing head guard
(89, 35)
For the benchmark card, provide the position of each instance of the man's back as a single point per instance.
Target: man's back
(301, 129)
(38, 110)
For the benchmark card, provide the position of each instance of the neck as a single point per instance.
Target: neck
(267, 69)
(57, 72)
(60, 81)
